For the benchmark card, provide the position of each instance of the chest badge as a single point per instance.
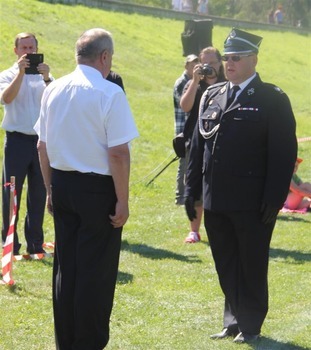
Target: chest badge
(223, 90)
(214, 115)
(250, 91)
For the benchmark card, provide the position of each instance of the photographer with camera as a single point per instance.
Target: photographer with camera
(209, 71)
(21, 89)
(180, 120)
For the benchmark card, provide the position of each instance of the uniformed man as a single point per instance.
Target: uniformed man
(243, 153)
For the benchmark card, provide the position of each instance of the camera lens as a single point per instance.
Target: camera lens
(207, 70)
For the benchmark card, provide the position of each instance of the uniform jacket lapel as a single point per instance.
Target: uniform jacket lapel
(222, 97)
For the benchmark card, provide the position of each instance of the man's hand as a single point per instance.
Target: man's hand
(49, 204)
(23, 63)
(269, 213)
(197, 75)
(190, 209)
(44, 69)
(121, 215)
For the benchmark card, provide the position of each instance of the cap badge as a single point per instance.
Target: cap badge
(232, 34)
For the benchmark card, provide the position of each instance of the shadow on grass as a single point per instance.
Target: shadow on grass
(295, 255)
(294, 217)
(271, 344)
(47, 262)
(156, 253)
(124, 278)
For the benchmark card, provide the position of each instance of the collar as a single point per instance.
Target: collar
(244, 84)
(86, 69)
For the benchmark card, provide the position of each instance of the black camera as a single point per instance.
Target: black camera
(207, 70)
(34, 60)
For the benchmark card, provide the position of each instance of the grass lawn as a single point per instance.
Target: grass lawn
(167, 295)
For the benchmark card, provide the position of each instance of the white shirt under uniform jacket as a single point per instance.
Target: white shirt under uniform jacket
(84, 124)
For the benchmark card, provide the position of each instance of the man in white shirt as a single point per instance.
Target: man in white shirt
(21, 93)
(84, 128)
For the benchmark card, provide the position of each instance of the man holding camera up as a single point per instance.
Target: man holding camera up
(208, 72)
(20, 93)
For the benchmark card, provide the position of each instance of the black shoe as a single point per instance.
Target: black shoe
(225, 333)
(245, 338)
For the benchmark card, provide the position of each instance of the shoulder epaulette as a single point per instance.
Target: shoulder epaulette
(217, 85)
(275, 88)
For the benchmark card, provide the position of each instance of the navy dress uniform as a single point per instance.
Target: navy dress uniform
(242, 157)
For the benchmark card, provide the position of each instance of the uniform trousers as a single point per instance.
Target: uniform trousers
(87, 250)
(21, 160)
(240, 243)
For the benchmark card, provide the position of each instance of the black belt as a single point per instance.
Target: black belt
(79, 173)
(20, 134)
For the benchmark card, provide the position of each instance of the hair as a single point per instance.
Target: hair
(211, 49)
(24, 36)
(92, 43)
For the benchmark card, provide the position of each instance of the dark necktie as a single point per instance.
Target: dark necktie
(232, 94)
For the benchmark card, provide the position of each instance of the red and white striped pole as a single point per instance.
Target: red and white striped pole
(7, 254)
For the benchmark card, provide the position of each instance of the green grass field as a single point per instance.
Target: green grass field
(167, 295)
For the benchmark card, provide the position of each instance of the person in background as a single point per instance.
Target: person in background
(202, 7)
(180, 120)
(278, 15)
(209, 71)
(299, 196)
(85, 160)
(243, 153)
(177, 5)
(115, 78)
(187, 6)
(21, 93)
(271, 16)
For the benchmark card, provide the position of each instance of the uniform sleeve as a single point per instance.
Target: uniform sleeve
(281, 149)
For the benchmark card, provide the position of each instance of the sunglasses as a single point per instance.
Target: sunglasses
(235, 58)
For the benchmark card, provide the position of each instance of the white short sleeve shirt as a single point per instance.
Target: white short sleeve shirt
(82, 115)
(22, 113)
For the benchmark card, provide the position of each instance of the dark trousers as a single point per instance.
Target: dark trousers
(86, 259)
(240, 243)
(21, 160)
